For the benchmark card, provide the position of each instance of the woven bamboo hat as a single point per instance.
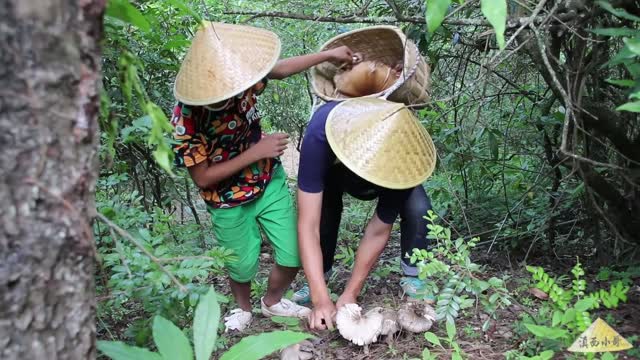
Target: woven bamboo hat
(224, 60)
(382, 142)
(385, 44)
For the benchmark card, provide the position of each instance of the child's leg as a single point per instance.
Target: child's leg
(277, 216)
(236, 229)
(279, 280)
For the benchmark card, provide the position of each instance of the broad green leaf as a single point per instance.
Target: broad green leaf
(622, 57)
(123, 10)
(436, 11)
(205, 325)
(432, 338)
(616, 32)
(170, 340)
(496, 12)
(633, 45)
(118, 350)
(584, 304)
(607, 356)
(631, 106)
(622, 82)
(621, 13)
(496, 282)
(456, 356)
(546, 332)
(451, 330)
(258, 346)
(426, 355)
(557, 318)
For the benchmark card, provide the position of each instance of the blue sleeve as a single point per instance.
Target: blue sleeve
(315, 154)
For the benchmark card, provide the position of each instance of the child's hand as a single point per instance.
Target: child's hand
(342, 54)
(270, 146)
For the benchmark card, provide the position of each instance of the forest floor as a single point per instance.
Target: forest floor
(383, 289)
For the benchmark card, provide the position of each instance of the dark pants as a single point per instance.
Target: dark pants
(413, 225)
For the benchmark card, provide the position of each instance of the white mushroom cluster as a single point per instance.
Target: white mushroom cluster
(364, 329)
(416, 316)
(360, 329)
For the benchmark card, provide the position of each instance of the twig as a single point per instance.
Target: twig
(511, 24)
(129, 237)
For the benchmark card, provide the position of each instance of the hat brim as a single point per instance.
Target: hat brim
(382, 142)
(225, 60)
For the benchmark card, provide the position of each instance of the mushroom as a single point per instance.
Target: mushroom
(416, 316)
(389, 323)
(299, 351)
(359, 329)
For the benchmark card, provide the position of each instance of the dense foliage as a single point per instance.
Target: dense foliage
(534, 114)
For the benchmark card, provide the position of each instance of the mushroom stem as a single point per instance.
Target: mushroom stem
(366, 349)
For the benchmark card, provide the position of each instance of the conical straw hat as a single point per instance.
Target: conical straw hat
(224, 60)
(382, 142)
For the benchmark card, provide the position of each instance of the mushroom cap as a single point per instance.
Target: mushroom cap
(416, 317)
(358, 328)
(299, 351)
(389, 323)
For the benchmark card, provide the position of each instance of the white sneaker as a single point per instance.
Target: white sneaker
(238, 320)
(285, 308)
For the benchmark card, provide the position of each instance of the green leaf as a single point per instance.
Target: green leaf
(118, 350)
(546, 332)
(258, 346)
(456, 356)
(623, 83)
(451, 330)
(205, 325)
(493, 146)
(584, 304)
(426, 355)
(615, 32)
(496, 12)
(285, 320)
(432, 338)
(630, 106)
(557, 318)
(184, 9)
(170, 340)
(123, 10)
(633, 45)
(607, 356)
(621, 13)
(436, 11)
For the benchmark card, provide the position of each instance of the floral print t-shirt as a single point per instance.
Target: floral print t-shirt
(220, 132)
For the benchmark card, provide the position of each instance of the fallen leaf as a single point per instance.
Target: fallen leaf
(538, 293)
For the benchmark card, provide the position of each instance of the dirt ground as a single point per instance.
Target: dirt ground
(385, 291)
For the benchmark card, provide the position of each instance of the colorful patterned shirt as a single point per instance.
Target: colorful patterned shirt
(220, 132)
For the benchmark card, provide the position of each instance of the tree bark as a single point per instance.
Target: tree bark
(49, 78)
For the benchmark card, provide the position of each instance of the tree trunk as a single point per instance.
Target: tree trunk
(49, 79)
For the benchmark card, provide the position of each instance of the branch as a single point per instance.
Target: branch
(129, 237)
(512, 23)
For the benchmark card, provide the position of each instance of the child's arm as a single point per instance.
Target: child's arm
(206, 174)
(293, 65)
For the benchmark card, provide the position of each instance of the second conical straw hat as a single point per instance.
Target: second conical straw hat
(382, 142)
(224, 60)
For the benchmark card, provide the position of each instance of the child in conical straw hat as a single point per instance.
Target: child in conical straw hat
(219, 140)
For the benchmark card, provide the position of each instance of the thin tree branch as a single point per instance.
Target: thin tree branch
(129, 237)
(511, 24)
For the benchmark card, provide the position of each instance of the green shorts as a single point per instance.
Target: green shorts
(238, 229)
